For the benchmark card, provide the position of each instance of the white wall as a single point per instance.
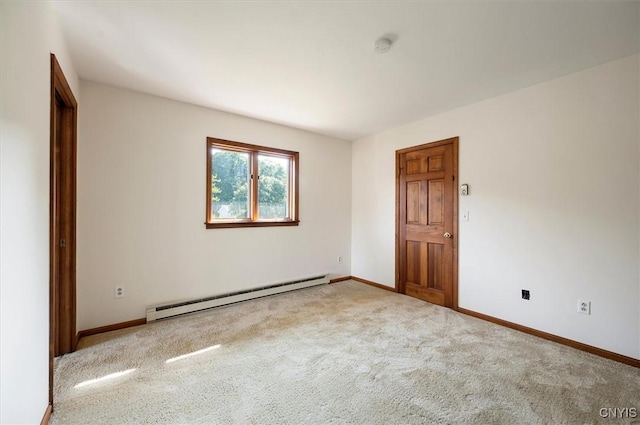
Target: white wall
(141, 207)
(29, 32)
(554, 204)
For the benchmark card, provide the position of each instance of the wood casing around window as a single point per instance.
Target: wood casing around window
(255, 150)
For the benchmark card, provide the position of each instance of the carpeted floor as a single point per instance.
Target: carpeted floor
(345, 353)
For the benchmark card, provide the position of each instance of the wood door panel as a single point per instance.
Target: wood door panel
(413, 202)
(417, 203)
(436, 163)
(435, 258)
(425, 265)
(416, 166)
(413, 262)
(426, 199)
(435, 206)
(435, 297)
(432, 232)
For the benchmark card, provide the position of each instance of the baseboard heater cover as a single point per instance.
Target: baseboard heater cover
(164, 311)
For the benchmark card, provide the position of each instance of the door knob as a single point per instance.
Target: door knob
(448, 235)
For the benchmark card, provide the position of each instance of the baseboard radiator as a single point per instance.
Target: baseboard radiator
(164, 311)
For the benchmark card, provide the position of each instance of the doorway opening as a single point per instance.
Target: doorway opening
(62, 219)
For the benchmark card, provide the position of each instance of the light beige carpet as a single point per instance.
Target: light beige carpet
(344, 353)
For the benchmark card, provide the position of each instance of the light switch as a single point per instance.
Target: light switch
(465, 216)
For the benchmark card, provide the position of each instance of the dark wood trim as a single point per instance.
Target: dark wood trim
(254, 151)
(109, 328)
(62, 217)
(253, 190)
(47, 415)
(60, 83)
(560, 340)
(243, 147)
(340, 279)
(456, 235)
(294, 193)
(454, 141)
(399, 285)
(236, 224)
(428, 145)
(377, 285)
(207, 187)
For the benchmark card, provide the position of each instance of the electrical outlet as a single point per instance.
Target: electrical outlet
(339, 259)
(584, 307)
(118, 291)
(525, 294)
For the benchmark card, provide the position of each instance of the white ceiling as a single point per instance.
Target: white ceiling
(311, 65)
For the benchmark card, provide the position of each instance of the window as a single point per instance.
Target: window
(250, 186)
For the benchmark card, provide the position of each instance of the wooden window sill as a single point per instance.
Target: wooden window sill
(231, 224)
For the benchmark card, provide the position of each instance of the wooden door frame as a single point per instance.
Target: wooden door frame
(61, 93)
(400, 286)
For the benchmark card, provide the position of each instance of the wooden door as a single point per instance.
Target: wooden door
(62, 297)
(427, 204)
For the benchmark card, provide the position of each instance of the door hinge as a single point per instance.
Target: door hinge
(453, 178)
(399, 170)
(63, 243)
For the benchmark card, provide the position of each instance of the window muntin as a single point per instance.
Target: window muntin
(250, 186)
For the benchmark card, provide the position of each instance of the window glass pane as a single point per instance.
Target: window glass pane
(229, 184)
(273, 187)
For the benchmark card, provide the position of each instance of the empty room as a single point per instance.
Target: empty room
(309, 212)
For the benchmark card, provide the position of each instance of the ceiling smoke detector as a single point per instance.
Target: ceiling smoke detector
(382, 45)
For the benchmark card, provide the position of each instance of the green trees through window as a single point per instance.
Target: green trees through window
(229, 182)
(273, 187)
(250, 185)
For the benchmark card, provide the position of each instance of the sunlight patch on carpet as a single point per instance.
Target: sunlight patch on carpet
(104, 378)
(195, 353)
